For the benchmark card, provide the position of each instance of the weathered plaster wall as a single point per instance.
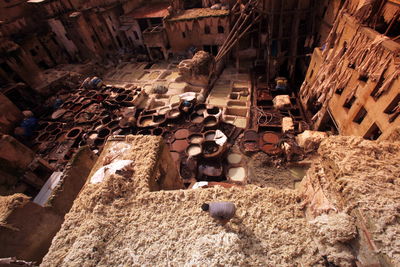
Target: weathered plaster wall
(14, 160)
(328, 12)
(111, 19)
(10, 115)
(135, 34)
(27, 230)
(72, 181)
(23, 64)
(38, 53)
(15, 153)
(58, 28)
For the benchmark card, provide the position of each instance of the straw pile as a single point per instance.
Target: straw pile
(358, 176)
(168, 227)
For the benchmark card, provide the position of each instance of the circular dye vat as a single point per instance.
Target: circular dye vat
(270, 149)
(271, 138)
(76, 107)
(158, 131)
(234, 158)
(237, 174)
(43, 137)
(51, 127)
(250, 135)
(200, 108)
(56, 131)
(213, 110)
(106, 120)
(113, 124)
(120, 98)
(146, 121)
(210, 121)
(73, 133)
(196, 138)
(145, 132)
(193, 150)
(210, 135)
(98, 142)
(42, 125)
(196, 118)
(159, 118)
(103, 133)
(179, 145)
(174, 113)
(168, 136)
(210, 147)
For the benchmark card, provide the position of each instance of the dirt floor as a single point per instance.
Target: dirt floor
(118, 222)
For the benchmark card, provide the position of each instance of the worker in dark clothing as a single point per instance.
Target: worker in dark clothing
(220, 211)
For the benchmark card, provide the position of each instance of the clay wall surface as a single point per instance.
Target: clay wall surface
(54, 8)
(54, 50)
(291, 27)
(81, 33)
(100, 30)
(26, 229)
(72, 180)
(315, 64)
(128, 6)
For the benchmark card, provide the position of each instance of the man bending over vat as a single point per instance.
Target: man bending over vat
(220, 211)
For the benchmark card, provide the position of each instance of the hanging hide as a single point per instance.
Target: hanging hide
(389, 11)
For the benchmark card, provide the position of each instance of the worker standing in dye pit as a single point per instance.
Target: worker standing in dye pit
(220, 211)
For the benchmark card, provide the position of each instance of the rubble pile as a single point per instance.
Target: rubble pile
(197, 69)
